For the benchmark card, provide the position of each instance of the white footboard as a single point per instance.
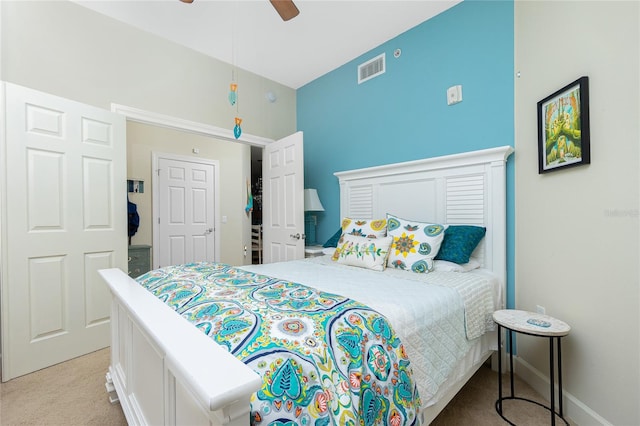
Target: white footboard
(164, 370)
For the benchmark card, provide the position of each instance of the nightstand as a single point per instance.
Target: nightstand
(139, 260)
(533, 324)
(312, 251)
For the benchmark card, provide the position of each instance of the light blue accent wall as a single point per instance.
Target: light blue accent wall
(403, 114)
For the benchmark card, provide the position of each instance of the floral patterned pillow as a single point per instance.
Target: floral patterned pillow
(415, 244)
(370, 228)
(370, 253)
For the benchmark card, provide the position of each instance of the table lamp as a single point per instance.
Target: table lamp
(311, 204)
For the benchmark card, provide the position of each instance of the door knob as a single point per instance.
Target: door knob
(208, 231)
(296, 236)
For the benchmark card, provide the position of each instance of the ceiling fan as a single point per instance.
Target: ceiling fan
(285, 8)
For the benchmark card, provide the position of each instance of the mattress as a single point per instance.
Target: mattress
(438, 316)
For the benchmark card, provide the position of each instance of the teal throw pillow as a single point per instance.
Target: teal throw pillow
(459, 242)
(333, 241)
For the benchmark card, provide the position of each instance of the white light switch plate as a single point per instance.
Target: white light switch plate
(454, 95)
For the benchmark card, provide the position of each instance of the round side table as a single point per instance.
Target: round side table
(533, 324)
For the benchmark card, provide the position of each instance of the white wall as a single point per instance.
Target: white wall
(67, 50)
(577, 229)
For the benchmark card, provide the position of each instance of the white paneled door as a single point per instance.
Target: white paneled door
(185, 212)
(283, 206)
(63, 218)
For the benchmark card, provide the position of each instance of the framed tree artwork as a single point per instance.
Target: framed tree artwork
(563, 127)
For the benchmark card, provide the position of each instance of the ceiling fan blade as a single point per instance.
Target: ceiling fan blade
(285, 8)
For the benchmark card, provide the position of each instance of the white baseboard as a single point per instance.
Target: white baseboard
(575, 409)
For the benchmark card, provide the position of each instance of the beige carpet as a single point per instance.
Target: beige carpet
(73, 393)
(475, 404)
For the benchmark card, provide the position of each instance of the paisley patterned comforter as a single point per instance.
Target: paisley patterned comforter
(324, 359)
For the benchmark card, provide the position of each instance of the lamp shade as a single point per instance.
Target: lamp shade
(312, 201)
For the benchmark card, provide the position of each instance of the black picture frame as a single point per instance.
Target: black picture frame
(563, 128)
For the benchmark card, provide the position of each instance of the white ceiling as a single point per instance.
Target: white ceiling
(252, 36)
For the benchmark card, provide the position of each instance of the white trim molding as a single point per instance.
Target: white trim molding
(575, 409)
(148, 117)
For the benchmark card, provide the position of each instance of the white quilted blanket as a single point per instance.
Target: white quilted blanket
(479, 290)
(435, 315)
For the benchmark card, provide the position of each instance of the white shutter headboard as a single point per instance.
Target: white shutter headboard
(467, 188)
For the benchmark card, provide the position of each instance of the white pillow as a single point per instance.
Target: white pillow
(370, 228)
(363, 252)
(328, 251)
(446, 266)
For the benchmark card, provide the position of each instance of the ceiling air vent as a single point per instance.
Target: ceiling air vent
(370, 69)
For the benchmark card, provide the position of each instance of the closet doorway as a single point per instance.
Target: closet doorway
(256, 214)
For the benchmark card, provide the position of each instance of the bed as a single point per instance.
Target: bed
(166, 371)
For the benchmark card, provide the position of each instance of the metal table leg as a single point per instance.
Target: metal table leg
(552, 380)
(499, 406)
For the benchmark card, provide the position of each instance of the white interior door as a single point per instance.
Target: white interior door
(283, 199)
(184, 210)
(64, 218)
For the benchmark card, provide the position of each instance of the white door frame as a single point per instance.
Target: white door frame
(155, 157)
(148, 117)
